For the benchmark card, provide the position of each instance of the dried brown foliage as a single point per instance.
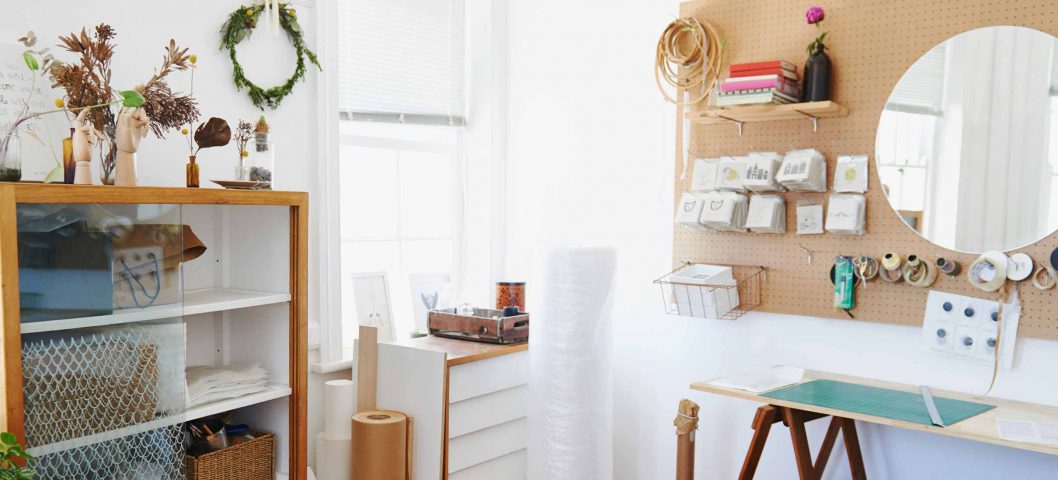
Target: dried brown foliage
(87, 82)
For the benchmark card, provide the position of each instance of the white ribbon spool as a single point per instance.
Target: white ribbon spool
(1019, 267)
(989, 272)
(1045, 277)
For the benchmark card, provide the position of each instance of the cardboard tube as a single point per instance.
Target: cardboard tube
(686, 423)
(380, 445)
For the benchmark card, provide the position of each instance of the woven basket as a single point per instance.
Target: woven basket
(250, 460)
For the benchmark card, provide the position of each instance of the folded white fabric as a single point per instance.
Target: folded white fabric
(210, 384)
(724, 211)
(804, 171)
(767, 214)
(761, 168)
(846, 213)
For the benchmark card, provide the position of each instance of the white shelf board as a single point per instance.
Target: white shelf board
(206, 300)
(273, 392)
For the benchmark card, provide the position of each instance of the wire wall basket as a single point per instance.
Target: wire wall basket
(711, 291)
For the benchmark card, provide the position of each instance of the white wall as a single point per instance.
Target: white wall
(590, 150)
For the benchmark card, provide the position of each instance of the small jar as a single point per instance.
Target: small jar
(10, 158)
(262, 164)
(510, 294)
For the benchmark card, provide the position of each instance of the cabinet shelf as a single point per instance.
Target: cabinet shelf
(206, 300)
(273, 392)
(740, 114)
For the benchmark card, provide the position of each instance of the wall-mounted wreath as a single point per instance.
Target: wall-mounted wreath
(240, 25)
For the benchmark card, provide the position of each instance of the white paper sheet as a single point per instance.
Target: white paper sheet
(760, 378)
(1027, 431)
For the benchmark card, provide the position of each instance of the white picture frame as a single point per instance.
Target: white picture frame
(373, 309)
(429, 291)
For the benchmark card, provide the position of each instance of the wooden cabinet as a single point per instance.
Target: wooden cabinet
(468, 402)
(103, 310)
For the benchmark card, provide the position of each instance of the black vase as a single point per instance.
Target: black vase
(816, 85)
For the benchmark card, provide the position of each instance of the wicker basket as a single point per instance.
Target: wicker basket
(249, 460)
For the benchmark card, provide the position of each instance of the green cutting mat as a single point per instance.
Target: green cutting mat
(878, 402)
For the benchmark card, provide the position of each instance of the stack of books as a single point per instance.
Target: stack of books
(760, 83)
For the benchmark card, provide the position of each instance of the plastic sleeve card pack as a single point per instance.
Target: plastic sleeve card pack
(689, 210)
(803, 171)
(846, 214)
(732, 171)
(724, 211)
(850, 174)
(706, 172)
(767, 214)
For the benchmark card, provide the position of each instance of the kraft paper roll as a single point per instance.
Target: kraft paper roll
(332, 457)
(339, 405)
(380, 446)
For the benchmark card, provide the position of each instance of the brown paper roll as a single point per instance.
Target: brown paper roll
(380, 446)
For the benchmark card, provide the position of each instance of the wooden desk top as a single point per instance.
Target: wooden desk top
(461, 351)
(981, 428)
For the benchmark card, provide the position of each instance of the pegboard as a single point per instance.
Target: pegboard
(871, 44)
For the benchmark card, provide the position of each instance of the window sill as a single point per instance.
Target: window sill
(344, 363)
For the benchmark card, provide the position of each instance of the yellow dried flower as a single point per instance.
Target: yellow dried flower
(193, 59)
(59, 103)
(245, 153)
(249, 12)
(292, 12)
(183, 131)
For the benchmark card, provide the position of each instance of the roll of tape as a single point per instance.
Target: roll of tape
(891, 261)
(918, 273)
(891, 276)
(1045, 277)
(947, 267)
(989, 272)
(1019, 267)
(1054, 259)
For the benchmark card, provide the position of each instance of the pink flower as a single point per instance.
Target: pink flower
(814, 15)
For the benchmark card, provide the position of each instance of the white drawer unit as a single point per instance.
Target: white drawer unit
(470, 423)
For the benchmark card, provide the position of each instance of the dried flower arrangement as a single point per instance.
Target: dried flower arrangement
(87, 82)
(243, 133)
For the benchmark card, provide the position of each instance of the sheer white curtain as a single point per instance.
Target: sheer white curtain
(993, 140)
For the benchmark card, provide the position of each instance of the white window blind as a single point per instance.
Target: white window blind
(401, 61)
(921, 89)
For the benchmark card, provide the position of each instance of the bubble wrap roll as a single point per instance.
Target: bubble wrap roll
(570, 348)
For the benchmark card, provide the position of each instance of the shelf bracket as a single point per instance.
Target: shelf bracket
(815, 120)
(736, 122)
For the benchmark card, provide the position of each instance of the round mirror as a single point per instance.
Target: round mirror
(967, 146)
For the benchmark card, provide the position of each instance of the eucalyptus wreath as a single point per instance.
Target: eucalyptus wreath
(240, 25)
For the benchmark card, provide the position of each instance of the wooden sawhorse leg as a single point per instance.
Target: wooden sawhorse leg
(795, 420)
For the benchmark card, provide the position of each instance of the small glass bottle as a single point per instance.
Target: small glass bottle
(192, 172)
(262, 157)
(68, 165)
(10, 158)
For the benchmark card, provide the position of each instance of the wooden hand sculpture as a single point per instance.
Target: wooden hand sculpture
(84, 137)
(131, 128)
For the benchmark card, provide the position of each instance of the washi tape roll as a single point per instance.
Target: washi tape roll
(947, 267)
(891, 261)
(918, 273)
(1019, 267)
(989, 272)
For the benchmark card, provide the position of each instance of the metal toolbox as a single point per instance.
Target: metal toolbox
(485, 325)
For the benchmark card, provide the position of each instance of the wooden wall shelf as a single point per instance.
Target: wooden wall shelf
(740, 114)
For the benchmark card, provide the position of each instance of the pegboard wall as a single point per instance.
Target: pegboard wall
(871, 45)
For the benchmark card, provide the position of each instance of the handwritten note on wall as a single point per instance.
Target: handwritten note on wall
(41, 138)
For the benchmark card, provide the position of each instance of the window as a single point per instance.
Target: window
(405, 149)
(399, 210)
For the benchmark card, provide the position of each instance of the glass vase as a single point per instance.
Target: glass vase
(69, 166)
(108, 153)
(192, 172)
(242, 170)
(10, 158)
(262, 164)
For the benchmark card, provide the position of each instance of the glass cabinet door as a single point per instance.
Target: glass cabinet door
(103, 338)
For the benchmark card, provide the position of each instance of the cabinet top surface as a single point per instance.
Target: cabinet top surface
(461, 351)
(61, 193)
